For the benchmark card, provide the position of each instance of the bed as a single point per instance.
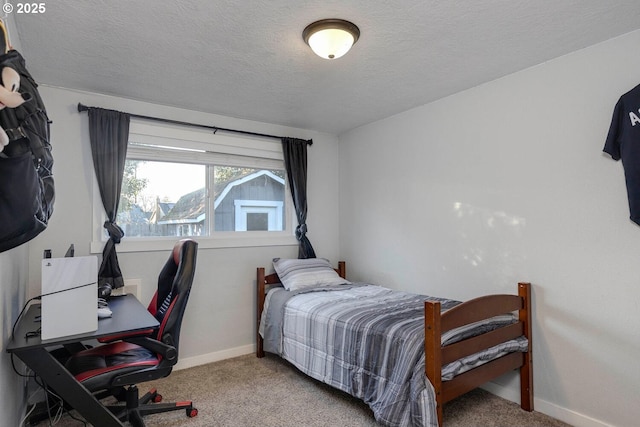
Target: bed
(408, 355)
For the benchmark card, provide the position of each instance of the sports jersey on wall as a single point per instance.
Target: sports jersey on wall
(623, 142)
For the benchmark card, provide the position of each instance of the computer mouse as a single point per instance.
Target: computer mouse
(104, 312)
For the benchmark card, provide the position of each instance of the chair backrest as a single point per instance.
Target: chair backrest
(174, 285)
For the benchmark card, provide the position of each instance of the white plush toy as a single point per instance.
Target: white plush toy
(9, 97)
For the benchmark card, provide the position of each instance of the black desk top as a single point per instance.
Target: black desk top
(129, 315)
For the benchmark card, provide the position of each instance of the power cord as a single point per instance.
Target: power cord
(28, 414)
(58, 407)
(56, 410)
(32, 333)
(26, 304)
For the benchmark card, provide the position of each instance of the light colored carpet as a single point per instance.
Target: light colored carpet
(247, 392)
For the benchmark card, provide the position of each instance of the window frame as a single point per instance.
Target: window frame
(208, 149)
(273, 209)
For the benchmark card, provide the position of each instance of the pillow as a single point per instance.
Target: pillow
(297, 274)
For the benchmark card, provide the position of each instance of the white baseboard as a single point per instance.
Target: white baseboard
(551, 409)
(216, 356)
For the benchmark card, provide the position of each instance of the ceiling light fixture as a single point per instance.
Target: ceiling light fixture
(331, 38)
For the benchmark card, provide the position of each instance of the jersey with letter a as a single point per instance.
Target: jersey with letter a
(623, 142)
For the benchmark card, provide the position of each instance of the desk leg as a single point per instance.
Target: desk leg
(64, 384)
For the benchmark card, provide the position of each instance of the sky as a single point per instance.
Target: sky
(163, 182)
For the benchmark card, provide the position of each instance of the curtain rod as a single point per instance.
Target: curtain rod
(82, 108)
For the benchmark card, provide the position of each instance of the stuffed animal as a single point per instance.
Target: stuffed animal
(10, 97)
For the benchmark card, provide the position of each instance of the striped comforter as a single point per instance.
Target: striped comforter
(369, 342)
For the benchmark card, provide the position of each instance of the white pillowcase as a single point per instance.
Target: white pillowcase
(297, 274)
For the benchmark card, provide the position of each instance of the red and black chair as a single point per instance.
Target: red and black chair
(116, 367)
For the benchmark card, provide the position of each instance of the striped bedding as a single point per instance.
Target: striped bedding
(368, 341)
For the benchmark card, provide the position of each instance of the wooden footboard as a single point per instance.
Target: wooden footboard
(472, 311)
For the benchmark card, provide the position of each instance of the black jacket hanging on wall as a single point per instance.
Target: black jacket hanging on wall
(623, 142)
(26, 179)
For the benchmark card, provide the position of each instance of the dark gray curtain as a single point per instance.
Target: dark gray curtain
(295, 161)
(109, 135)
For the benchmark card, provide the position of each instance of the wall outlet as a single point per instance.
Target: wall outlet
(131, 286)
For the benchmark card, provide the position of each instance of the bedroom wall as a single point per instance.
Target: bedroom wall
(507, 182)
(13, 284)
(14, 265)
(220, 316)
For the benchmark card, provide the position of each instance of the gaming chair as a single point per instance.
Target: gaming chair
(116, 367)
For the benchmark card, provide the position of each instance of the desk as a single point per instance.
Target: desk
(129, 315)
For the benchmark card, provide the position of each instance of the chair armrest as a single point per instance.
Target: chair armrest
(123, 337)
(168, 352)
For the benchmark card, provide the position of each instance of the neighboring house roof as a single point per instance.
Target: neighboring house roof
(247, 178)
(162, 209)
(134, 215)
(190, 208)
(165, 207)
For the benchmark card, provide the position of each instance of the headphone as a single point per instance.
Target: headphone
(104, 290)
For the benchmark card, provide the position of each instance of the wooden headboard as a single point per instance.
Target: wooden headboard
(263, 283)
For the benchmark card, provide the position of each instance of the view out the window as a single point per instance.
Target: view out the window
(160, 198)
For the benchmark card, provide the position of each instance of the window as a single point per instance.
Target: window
(225, 190)
(162, 199)
(253, 215)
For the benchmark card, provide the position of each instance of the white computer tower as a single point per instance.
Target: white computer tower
(69, 296)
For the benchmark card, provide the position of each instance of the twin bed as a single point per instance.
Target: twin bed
(405, 355)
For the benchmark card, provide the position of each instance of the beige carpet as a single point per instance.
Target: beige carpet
(247, 391)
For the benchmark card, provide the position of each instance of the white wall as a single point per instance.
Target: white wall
(13, 287)
(220, 316)
(13, 284)
(507, 182)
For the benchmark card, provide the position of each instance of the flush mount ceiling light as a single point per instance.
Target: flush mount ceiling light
(331, 38)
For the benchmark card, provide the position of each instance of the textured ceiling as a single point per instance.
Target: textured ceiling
(247, 59)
